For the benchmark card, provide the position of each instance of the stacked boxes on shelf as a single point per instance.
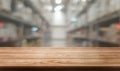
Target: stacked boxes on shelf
(36, 20)
(76, 35)
(8, 32)
(103, 32)
(11, 31)
(114, 5)
(92, 13)
(23, 12)
(101, 8)
(20, 10)
(2, 33)
(5, 5)
(110, 33)
(104, 7)
(28, 14)
(82, 20)
(114, 33)
(92, 35)
(35, 17)
(20, 32)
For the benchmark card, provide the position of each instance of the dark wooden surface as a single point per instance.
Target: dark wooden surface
(64, 59)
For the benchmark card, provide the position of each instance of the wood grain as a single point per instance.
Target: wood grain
(59, 57)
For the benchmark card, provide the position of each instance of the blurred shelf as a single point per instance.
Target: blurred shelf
(32, 38)
(11, 43)
(31, 5)
(77, 29)
(107, 19)
(14, 20)
(108, 41)
(85, 9)
(97, 40)
(102, 21)
(19, 39)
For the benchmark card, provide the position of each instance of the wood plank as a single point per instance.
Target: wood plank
(46, 49)
(59, 62)
(60, 57)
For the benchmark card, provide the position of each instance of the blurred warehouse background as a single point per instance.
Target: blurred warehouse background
(59, 23)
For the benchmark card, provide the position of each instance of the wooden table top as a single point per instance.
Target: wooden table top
(45, 57)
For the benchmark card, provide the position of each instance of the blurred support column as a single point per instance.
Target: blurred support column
(58, 30)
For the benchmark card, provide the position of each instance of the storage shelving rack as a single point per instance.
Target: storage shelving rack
(103, 21)
(19, 22)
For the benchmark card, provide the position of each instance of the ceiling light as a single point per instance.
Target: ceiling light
(83, 0)
(58, 1)
(58, 8)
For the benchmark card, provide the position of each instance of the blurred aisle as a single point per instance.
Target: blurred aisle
(59, 23)
(58, 30)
